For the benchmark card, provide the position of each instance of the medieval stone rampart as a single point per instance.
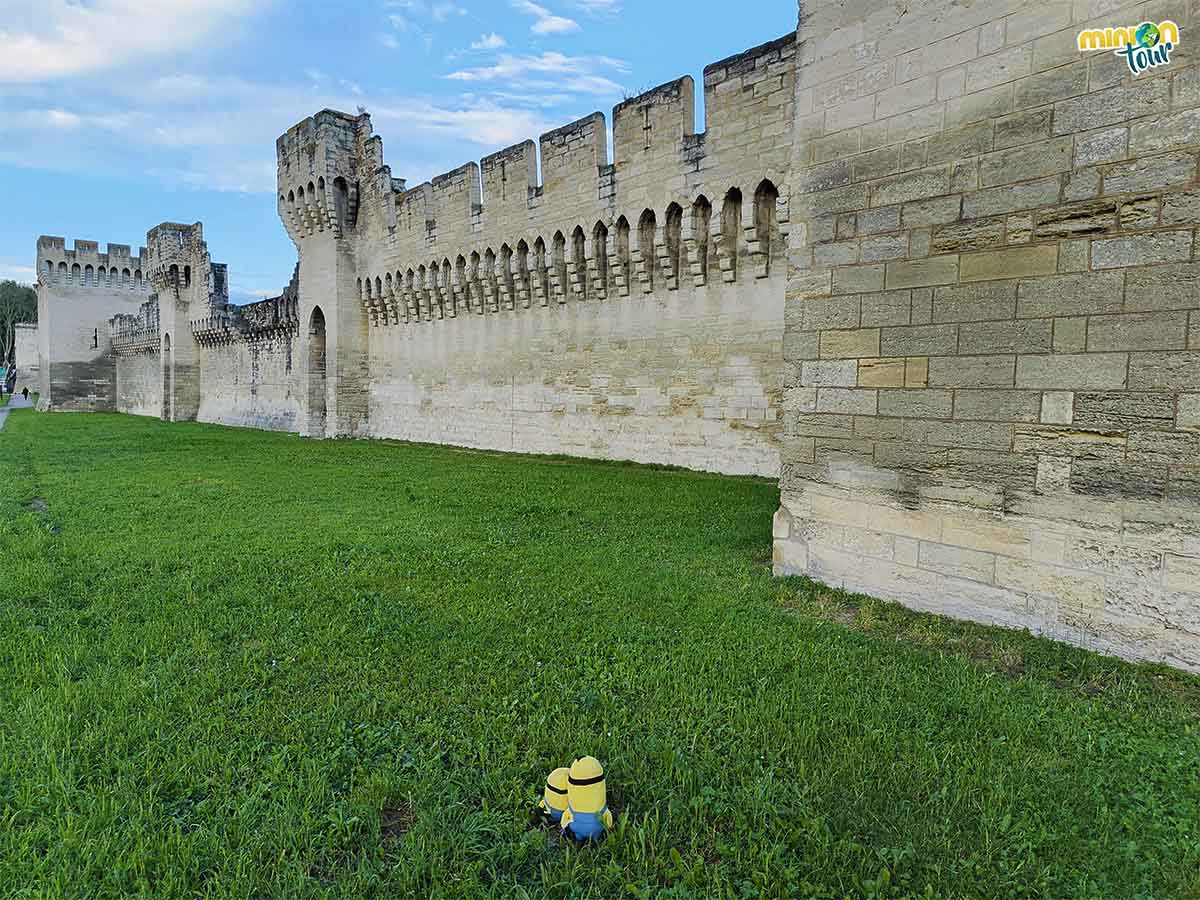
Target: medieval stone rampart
(993, 325)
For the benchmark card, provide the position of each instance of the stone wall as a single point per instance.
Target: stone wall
(630, 308)
(251, 383)
(992, 402)
(27, 358)
(78, 291)
(140, 383)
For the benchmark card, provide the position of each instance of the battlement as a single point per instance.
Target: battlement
(133, 334)
(331, 164)
(84, 265)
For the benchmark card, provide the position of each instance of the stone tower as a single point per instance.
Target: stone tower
(321, 167)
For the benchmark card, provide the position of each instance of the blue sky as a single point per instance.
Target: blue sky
(119, 114)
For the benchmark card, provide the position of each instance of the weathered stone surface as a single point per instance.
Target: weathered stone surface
(920, 340)
(1163, 287)
(1139, 249)
(998, 406)
(1019, 336)
(1091, 293)
(922, 272)
(924, 404)
(1138, 331)
(1123, 410)
(1164, 371)
(1097, 371)
(1012, 263)
(1095, 217)
(975, 302)
(974, 235)
(1150, 174)
(972, 371)
(890, 308)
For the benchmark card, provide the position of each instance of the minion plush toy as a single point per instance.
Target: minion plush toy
(587, 816)
(554, 797)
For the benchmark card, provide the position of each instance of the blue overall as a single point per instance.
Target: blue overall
(586, 826)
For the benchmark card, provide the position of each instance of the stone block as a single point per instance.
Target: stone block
(910, 186)
(1142, 249)
(1073, 256)
(997, 406)
(934, 211)
(1016, 262)
(1123, 410)
(1011, 198)
(862, 279)
(1025, 163)
(884, 247)
(1165, 371)
(1111, 106)
(1070, 335)
(874, 221)
(846, 401)
(971, 371)
(976, 435)
(1019, 336)
(959, 143)
(1181, 573)
(975, 302)
(830, 312)
(1181, 207)
(1056, 84)
(1084, 371)
(1103, 146)
(921, 404)
(880, 373)
(976, 234)
(1149, 173)
(922, 272)
(890, 308)
(1091, 293)
(1116, 480)
(1139, 213)
(1109, 558)
(961, 562)
(916, 372)
(1163, 287)
(1023, 127)
(1163, 448)
(855, 343)
(1058, 408)
(1075, 220)
(1138, 331)
(979, 106)
(919, 340)
(905, 97)
(829, 373)
(837, 253)
(1069, 442)
(1165, 132)
(1052, 582)
(1189, 411)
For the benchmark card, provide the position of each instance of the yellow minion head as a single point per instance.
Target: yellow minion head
(555, 795)
(585, 786)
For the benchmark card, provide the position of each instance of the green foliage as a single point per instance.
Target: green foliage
(239, 664)
(18, 303)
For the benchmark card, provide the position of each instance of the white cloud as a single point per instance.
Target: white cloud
(388, 40)
(491, 41)
(23, 274)
(67, 37)
(579, 74)
(546, 21)
(599, 7)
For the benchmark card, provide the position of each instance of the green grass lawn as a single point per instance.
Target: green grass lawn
(240, 664)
